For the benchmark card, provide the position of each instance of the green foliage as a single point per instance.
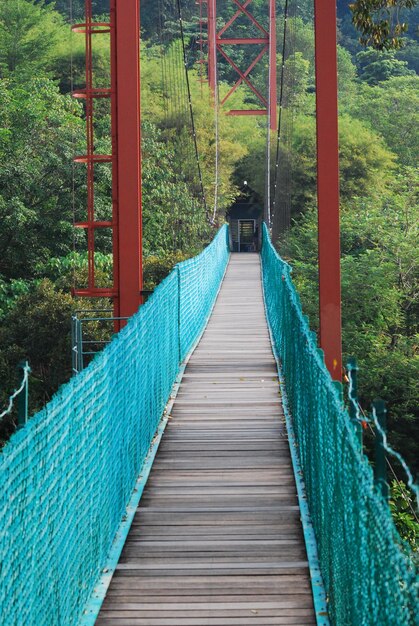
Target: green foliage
(379, 66)
(410, 54)
(165, 104)
(172, 219)
(346, 75)
(61, 271)
(379, 22)
(402, 507)
(392, 110)
(9, 291)
(296, 81)
(38, 127)
(365, 162)
(71, 270)
(29, 31)
(156, 268)
(37, 328)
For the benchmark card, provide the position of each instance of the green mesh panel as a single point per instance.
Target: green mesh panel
(66, 478)
(368, 575)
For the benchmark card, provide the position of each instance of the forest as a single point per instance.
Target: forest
(42, 192)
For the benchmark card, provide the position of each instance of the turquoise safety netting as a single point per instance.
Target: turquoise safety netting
(196, 278)
(66, 478)
(369, 576)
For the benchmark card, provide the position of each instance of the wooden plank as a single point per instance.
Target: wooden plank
(255, 620)
(232, 491)
(114, 599)
(155, 612)
(177, 587)
(278, 531)
(204, 568)
(217, 538)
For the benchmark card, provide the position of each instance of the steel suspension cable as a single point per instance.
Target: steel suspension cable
(201, 47)
(217, 140)
(191, 111)
(163, 61)
(281, 101)
(178, 86)
(289, 108)
(174, 83)
(268, 161)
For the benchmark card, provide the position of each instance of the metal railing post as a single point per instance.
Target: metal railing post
(380, 468)
(82, 348)
(80, 363)
(74, 363)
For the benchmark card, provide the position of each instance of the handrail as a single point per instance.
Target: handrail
(369, 573)
(67, 477)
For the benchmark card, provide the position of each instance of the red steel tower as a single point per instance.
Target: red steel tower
(265, 42)
(328, 185)
(124, 94)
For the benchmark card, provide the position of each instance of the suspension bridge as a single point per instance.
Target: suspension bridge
(203, 469)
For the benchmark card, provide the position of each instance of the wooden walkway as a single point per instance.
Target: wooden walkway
(217, 538)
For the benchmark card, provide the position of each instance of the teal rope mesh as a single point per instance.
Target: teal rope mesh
(67, 476)
(369, 575)
(196, 276)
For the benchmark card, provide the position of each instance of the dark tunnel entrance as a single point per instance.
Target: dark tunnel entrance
(245, 220)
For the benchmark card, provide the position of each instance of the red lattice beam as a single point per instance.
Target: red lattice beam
(217, 40)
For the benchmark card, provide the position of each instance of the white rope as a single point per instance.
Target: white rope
(353, 400)
(26, 372)
(389, 449)
(363, 419)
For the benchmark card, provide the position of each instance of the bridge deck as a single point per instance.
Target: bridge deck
(217, 538)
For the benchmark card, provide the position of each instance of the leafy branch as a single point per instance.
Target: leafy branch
(380, 23)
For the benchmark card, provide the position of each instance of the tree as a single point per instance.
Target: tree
(410, 54)
(29, 32)
(165, 102)
(402, 506)
(376, 67)
(173, 220)
(346, 76)
(380, 22)
(37, 328)
(392, 110)
(40, 130)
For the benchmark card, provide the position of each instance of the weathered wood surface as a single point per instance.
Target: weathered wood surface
(217, 538)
